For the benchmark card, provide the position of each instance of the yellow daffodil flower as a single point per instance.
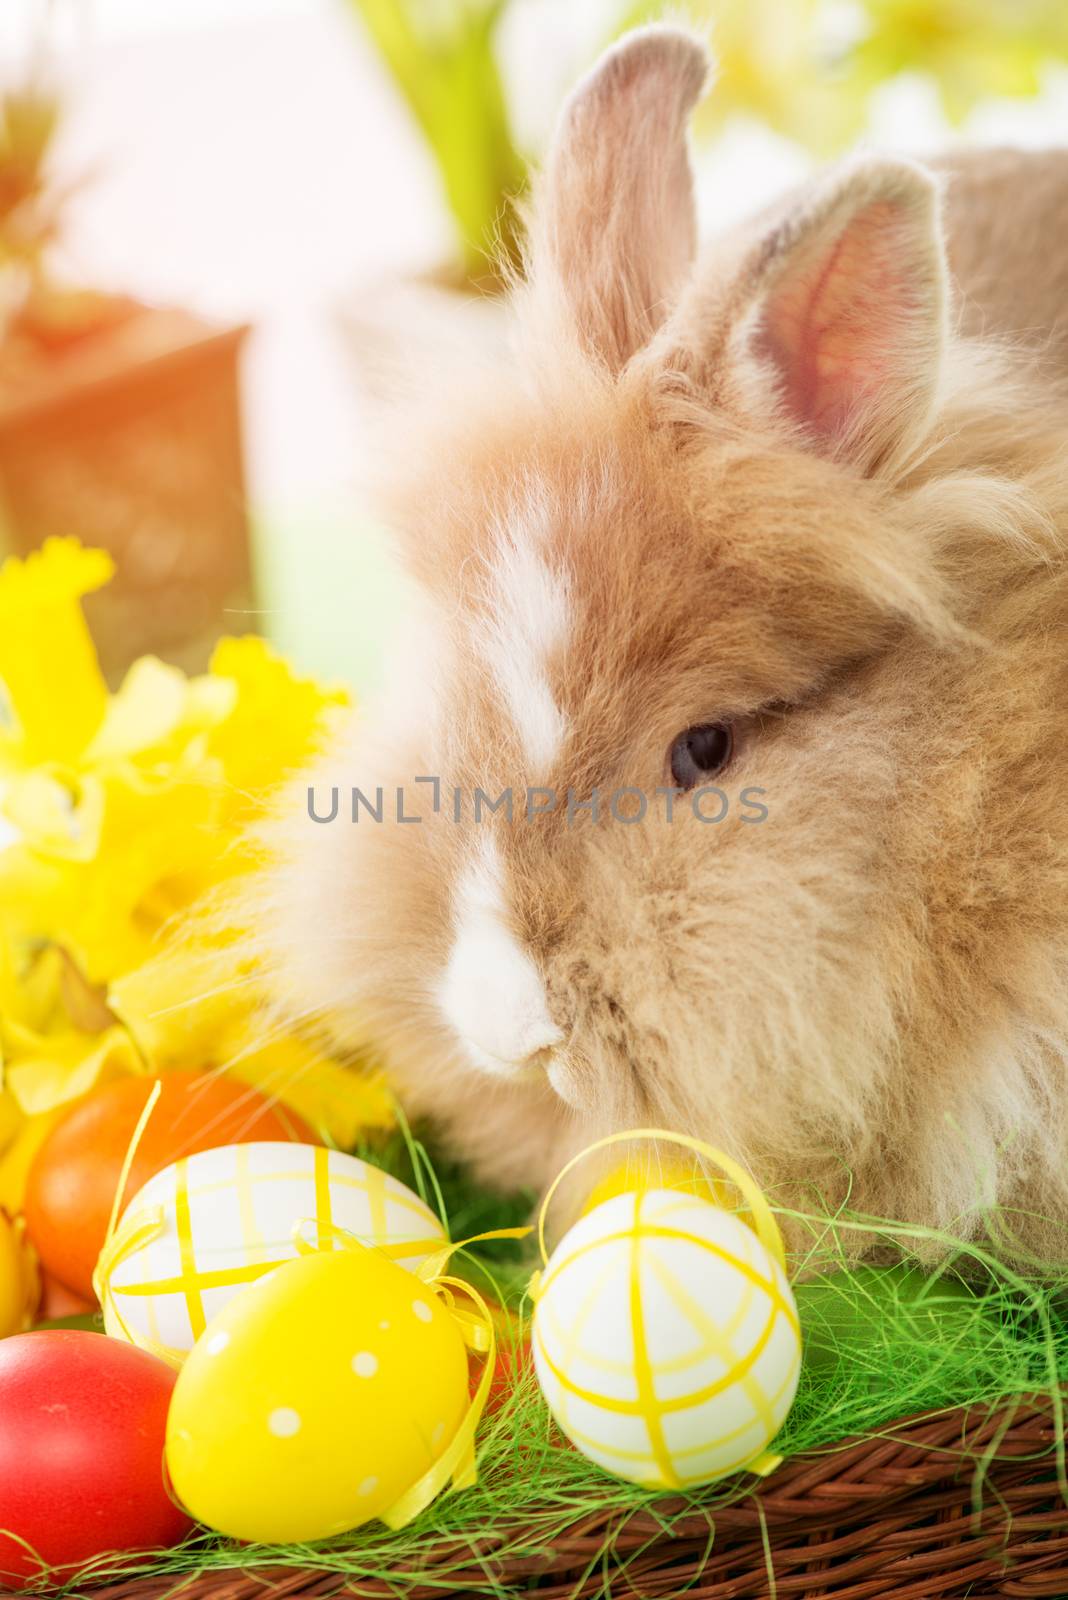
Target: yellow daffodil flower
(195, 1004)
(56, 694)
(118, 812)
(808, 70)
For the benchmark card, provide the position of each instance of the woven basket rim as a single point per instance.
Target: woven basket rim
(859, 1510)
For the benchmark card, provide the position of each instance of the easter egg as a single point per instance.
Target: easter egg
(226, 1217)
(58, 1302)
(315, 1399)
(660, 1170)
(70, 1187)
(20, 1282)
(81, 1452)
(666, 1339)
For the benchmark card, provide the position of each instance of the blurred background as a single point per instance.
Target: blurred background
(220, 219)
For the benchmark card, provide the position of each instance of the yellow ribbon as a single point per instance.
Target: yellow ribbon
(124, 1242)
(428, 1271)
(763, 1221)
(456, 1467)
(137, 1231)
(130, 1156)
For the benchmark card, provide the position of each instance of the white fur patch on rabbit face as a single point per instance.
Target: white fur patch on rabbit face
(527, 618)
(491, 992)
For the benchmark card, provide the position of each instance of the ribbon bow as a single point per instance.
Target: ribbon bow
(455, 1468)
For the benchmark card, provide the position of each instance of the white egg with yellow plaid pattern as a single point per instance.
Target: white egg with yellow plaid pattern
(666, 1339)
(208, 1225)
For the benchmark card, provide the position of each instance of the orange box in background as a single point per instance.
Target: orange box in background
(128, 436)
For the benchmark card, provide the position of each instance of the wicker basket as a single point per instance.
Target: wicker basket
(950, 1504)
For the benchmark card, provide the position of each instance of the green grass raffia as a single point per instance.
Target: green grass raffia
(880, 1344)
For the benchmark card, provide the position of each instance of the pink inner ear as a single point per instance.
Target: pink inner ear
(840, 323)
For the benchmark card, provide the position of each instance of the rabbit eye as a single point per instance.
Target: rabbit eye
(700, 753)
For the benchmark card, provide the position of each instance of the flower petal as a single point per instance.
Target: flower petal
(56, 813)
(52, 680)
(145, 711)
(63, 1066)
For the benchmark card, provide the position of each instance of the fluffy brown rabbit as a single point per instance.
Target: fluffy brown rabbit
(774, 520)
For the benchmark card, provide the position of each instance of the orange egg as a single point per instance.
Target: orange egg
(71, 1184)
(58, 1302)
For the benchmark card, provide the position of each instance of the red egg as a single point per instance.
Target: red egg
(82, 1426)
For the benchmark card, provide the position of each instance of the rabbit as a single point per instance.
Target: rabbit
(783, 518)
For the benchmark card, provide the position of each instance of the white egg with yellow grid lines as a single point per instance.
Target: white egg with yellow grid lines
(666, 1339)
(203, 1228)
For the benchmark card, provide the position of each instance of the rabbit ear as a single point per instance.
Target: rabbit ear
(844, 302)
(613, 230)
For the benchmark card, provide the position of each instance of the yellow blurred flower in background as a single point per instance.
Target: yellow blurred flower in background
(972, 49)
(122, 811)
(807, 68)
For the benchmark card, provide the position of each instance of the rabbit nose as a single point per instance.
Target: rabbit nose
(493, 996)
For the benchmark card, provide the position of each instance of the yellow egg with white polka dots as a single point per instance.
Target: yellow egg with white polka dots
(315, 1399)
(666, 1339)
